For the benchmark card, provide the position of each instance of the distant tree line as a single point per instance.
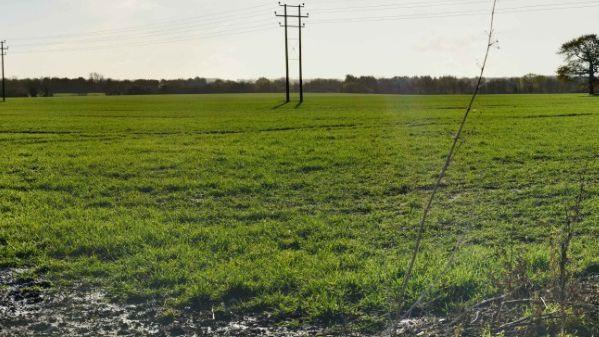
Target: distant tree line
(418, 85)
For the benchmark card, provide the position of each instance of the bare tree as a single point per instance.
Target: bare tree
(96, 78)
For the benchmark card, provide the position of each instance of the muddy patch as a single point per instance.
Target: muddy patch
(30, 307)
(34, 307)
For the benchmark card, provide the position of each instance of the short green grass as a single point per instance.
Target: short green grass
(309, 214)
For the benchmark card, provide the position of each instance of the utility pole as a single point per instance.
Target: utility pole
(300, 26)
(286, 56)
(301, 75)
(3, 50)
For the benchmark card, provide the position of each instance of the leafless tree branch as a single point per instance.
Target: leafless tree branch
(448, 161)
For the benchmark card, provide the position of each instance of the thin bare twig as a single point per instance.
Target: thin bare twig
(488, 301)
(524, 321)
(448, 161)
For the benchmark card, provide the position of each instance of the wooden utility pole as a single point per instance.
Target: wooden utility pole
(287, 91)
(300, 26)
(3, 50)
(301, 75)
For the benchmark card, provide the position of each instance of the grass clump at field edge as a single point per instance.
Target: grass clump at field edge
(310, 213)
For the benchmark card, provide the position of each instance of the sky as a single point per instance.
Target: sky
(241, 39)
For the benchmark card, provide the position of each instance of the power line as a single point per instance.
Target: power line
(388, 6)
(158, 37)
(189, 28)
(224, 33)
(212, 19)
(143, 36)
(192, 27)
(511, 10)
(373, 4)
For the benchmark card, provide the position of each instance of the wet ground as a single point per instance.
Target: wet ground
(30, 307)
(34, 307)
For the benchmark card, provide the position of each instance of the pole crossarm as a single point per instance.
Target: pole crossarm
(293, 6)
(290, 26)
(292, 16)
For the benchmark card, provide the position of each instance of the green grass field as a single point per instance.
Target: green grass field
(308, 214)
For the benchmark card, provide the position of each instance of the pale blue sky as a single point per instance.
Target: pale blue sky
(240, 39)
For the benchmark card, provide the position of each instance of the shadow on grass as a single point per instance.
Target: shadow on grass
(298, 105)
(280, 105)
